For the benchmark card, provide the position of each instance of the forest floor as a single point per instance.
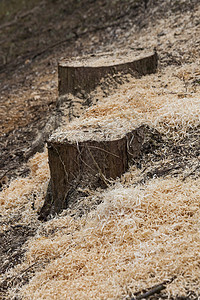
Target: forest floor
(34, 37)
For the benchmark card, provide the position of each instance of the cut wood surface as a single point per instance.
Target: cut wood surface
(91, 157)
(88, 164)
(83, 74)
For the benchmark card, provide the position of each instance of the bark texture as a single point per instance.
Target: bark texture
(90, 164)
(75, 79)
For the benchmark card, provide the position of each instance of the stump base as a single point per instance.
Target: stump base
(90, 164)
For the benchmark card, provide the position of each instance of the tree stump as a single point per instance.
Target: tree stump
(80, 158)
(88, 162)
(84, 73)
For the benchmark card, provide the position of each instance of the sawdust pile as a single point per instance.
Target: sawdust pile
(104, 59)
(138, 237)
(22, 190)
(168, 101)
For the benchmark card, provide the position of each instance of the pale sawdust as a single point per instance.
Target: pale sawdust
(23, 191)
(105, 59)
(168, 101)
(139, 235)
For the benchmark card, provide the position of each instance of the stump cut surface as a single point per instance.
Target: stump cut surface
(89, 164)
(85, 73)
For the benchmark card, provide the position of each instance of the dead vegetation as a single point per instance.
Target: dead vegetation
(143, 230)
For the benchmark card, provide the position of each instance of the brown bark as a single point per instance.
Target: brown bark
(89, 164)
(78, 78)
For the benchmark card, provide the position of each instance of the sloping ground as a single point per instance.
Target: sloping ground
(142, 230)
(34, 38)
(140, 234)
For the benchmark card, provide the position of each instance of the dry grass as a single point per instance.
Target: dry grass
(140, 235)
(159, 100)
(22, 191)
(137, 237)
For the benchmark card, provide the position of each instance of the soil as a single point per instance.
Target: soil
(34, 37)
(32, 42)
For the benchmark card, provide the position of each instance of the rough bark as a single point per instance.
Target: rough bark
(89, 164)
(77, 78)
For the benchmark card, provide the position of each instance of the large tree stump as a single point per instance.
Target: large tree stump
(91, 163)
(84, 73)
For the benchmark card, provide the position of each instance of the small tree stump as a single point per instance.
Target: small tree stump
(91, 163)
(84, 73)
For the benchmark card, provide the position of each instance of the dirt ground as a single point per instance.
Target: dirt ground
(34, 36)
(33, 40)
